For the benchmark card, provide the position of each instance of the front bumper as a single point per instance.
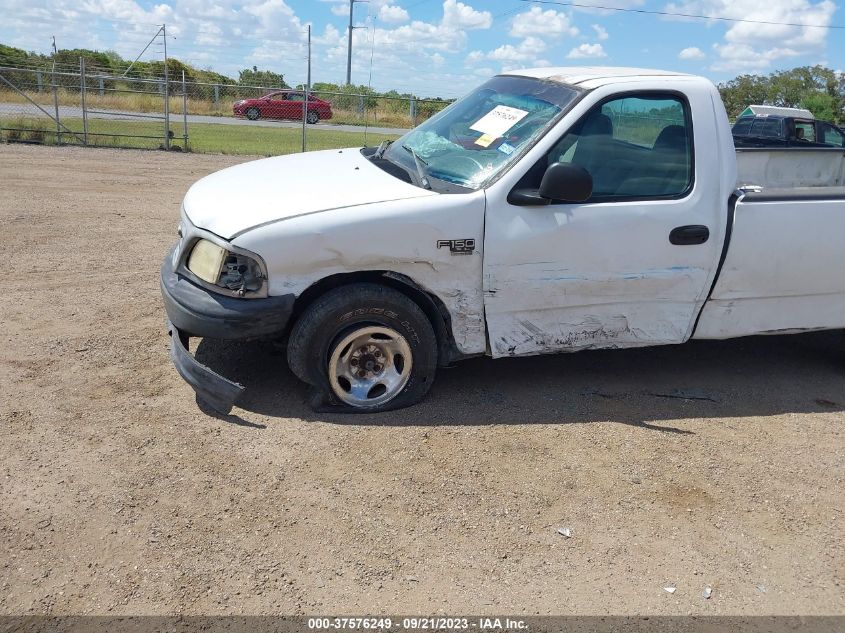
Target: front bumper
(195, 311)
(219, 393)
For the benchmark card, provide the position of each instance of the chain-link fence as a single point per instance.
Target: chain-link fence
(92, 108)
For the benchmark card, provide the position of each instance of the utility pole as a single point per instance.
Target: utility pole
(306, 91)
(308, 80)
(349, 42)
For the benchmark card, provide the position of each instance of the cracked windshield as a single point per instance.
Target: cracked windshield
(479, 135)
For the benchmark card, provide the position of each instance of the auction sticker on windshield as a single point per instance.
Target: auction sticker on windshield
(498, 121)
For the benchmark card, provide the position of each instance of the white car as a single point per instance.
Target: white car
(549, 210)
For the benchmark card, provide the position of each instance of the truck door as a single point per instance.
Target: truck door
(632, 265)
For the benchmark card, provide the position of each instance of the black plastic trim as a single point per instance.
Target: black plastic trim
(724, 255)
(755, 144)
(218, 392)
(795, 195)
(690, 235)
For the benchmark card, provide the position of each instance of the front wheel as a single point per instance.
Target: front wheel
(365, 347)
(312, 117)
(252, 114)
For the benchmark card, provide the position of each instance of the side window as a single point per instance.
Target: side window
(633, 147)
(279, 97)
(805, 131)
(829, 135)
(296, 97)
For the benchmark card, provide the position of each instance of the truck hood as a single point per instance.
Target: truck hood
(234, 200)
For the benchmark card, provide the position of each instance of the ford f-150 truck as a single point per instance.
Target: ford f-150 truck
(549, 210)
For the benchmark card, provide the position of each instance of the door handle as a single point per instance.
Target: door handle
(691, 234)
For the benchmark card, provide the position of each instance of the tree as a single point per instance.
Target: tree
(743, 91)
(264, 78)
(816, 88)
(823, 106)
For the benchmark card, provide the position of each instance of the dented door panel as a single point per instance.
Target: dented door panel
(616, 282)
(567, 277)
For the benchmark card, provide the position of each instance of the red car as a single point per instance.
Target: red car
(285, 104)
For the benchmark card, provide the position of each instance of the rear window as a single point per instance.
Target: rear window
(769, 128)
(743, 126)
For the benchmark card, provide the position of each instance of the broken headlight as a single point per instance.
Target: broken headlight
(226, 269)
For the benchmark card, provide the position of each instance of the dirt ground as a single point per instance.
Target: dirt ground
(714, 464)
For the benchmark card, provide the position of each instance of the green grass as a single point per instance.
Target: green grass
(203, 137)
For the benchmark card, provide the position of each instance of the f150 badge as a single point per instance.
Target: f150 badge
(458, 247)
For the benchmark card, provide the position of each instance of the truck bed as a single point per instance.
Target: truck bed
(789, 167)
(782, 269)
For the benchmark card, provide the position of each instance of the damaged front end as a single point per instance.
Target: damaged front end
(218, 392)
(212, 290)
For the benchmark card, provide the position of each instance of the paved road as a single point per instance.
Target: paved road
(21, 109)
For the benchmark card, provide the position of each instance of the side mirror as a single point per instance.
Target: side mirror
(562, 182)
(566, 182)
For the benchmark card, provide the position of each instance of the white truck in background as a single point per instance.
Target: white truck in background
(549, 210)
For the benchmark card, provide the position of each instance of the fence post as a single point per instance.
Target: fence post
(216, 95)
(56, 103)
(40, 81)
(361, 105)
(102, 87)
(413, 111)
(166, 92)
(82, 93)
(184, 113)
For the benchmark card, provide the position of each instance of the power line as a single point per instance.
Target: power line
(682, 15)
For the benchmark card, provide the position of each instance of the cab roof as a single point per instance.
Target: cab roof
(594, 76)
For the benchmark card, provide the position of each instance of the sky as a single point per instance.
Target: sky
(439, 47)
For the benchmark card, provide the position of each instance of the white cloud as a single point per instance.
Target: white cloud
(755, 46)
(458, 15)
(520, 53)
(601, 32)
(410, 38)
(692, 52)
(539, 23)
(393, 14)
(474, 57)
(437, 59)
(526, 50)
(585, 51)
(331, 36)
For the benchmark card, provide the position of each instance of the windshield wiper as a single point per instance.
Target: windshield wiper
(382, 148)
(421, 173)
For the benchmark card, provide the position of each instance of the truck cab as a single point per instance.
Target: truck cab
(549, 210)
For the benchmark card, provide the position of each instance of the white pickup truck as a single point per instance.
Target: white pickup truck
(549, 210)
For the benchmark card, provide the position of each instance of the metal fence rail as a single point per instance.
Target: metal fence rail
(93, 108)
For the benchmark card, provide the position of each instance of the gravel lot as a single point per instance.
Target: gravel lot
(713, 463)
